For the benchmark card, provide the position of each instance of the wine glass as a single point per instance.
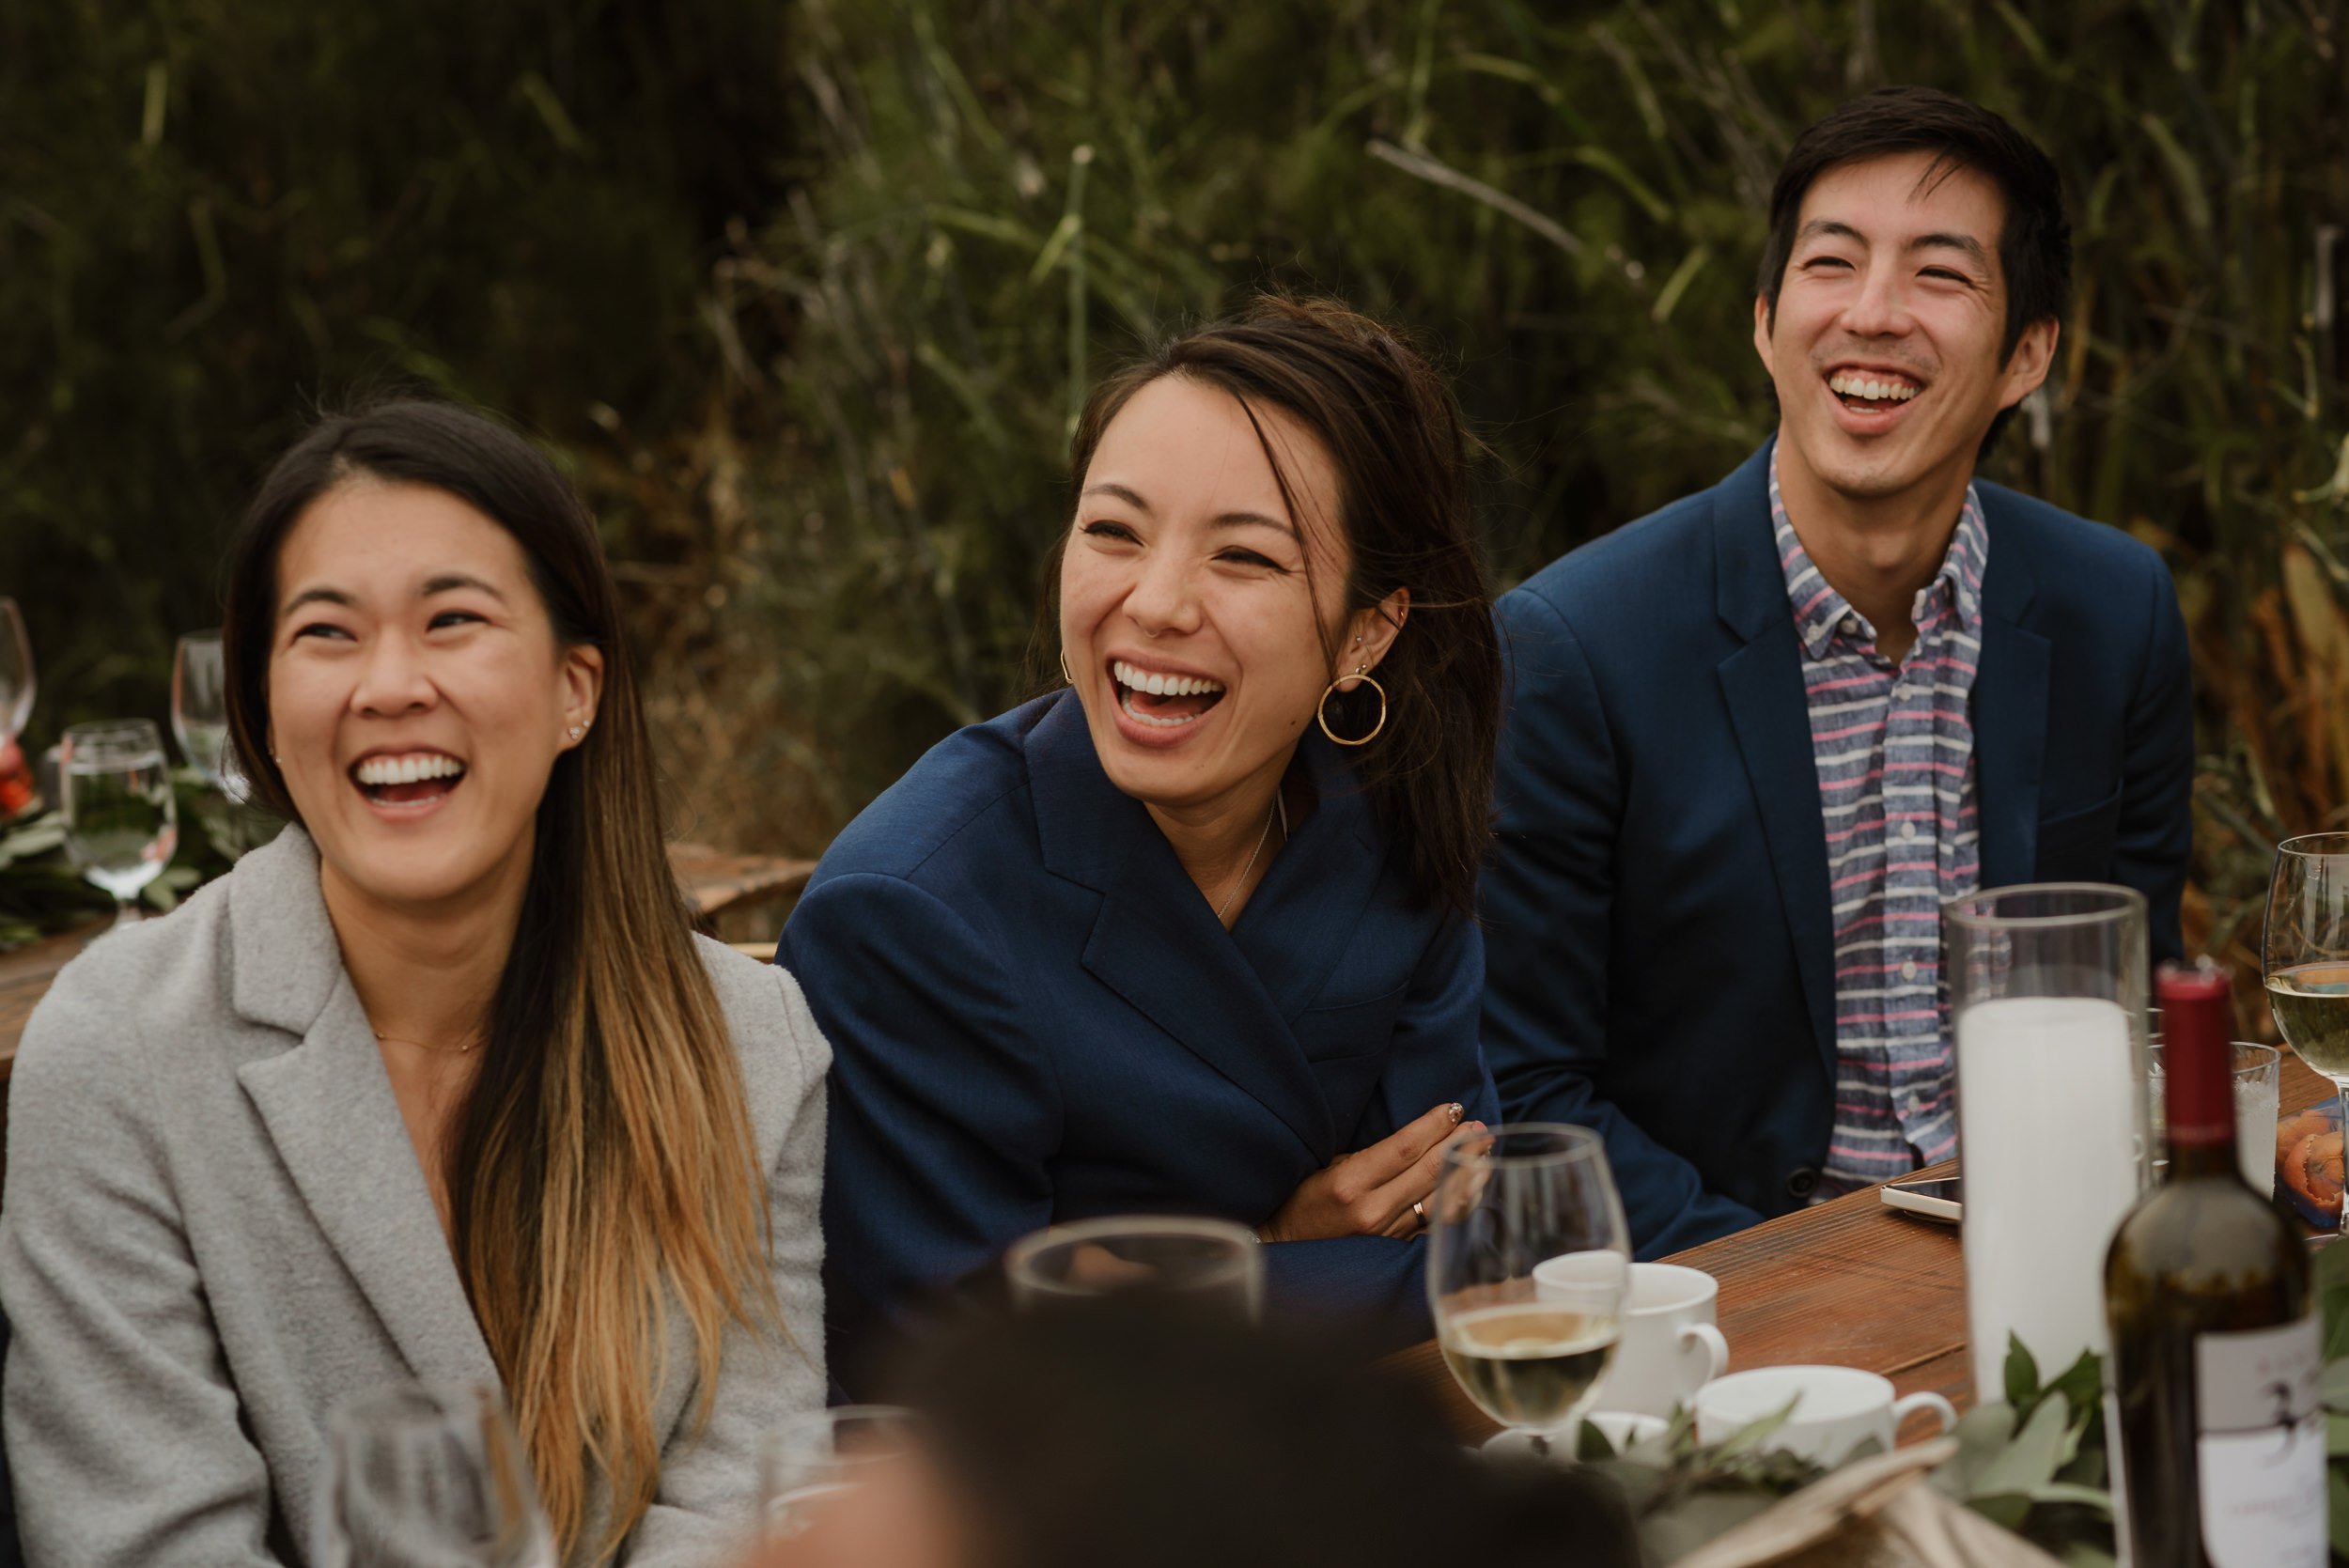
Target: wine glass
(199, 706)
(16, 674)
(1529, 1352)
(200, 716)
(2303, 954)
(1210, 1262)
(121, 823)
(811, 1461)
(429, 1476)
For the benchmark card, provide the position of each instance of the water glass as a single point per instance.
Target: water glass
(1529, 1350)
(199, 706)
(2047, 993)
(429, 1476)
(2258, 1081)
(812, 1461)
(1210, 1262)
(121, 822)
(16, 672)
(2304, 955)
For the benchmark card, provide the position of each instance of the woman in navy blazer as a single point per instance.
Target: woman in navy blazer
(1192, 934)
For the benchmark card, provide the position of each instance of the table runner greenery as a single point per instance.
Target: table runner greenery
(2037, 1461)
(42, 892)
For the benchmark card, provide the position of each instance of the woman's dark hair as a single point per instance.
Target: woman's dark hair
(601, 1172)
(1401, 454)
(2034, 239)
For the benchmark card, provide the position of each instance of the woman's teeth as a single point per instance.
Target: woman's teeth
(378, 771)
(1874, 389)
(1163, 701)
(1161, 686)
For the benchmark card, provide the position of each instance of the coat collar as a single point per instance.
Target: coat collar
(330, 1112)
(1230, 998)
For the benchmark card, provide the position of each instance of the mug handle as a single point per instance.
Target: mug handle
(1942, 1409)
(1715, 1349)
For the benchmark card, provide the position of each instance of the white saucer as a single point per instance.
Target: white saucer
(1623, 1428)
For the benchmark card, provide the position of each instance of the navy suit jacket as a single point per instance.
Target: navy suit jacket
(1657, 915)
(1036, 1017)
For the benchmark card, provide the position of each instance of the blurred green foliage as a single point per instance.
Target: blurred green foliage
(808, 296)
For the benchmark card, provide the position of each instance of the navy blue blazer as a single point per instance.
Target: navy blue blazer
(1657, 915)
(1036, 1017)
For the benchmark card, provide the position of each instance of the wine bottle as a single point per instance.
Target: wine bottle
(2211, 1406)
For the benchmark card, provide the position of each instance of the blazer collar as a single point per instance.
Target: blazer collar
(2009, 699)
(1230, 998)
(330, 1111)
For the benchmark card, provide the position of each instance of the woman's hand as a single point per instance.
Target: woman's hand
(1371, 1191)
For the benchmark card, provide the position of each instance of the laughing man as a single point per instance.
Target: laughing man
(1756, 738)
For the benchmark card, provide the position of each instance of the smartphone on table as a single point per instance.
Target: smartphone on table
(1935, 1198)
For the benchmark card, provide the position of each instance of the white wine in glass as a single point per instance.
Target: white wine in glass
(2304, 954)
(1527, 1352)
(121, 822)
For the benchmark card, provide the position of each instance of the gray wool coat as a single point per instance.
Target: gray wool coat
(217, 1228)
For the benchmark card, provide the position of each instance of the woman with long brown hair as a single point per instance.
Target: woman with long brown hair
(1195, 932)
(438, 1085)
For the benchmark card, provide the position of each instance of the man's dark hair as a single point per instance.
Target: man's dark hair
(2034, 236)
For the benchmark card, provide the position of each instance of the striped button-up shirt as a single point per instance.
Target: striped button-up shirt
(1894, 746)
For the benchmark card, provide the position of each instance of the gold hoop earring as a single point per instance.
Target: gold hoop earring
(1321, 708)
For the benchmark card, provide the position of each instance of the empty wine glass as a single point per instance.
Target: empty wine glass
(1212, 1263)
(429, 1476)
(1529, 1352)
(16, 674)
(2305, 955)
(199, 706)
(121, 823)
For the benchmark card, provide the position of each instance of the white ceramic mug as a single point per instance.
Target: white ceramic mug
(1669, 1346)
(1836, 1409)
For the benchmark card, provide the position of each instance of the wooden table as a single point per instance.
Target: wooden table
(1849, 1281)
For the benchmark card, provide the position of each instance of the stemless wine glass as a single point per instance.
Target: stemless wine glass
(16, 674)
(1211, 1262)
(429, 1476)
(121, 823)
(812, 1460)
(2303, 954)
(1508, 1201)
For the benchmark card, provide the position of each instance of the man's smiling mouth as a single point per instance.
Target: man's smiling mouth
(1873, 390)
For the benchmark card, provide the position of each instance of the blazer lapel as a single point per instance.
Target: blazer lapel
(1155, 942)
(331, 1113)
(2009, 709)
(1761, 684)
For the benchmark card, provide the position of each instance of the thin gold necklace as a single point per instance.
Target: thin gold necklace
(437, 1050)
(1241, 880)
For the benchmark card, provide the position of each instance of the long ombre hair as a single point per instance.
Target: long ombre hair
(602, 1171)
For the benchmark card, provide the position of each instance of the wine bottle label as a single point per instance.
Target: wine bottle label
(2261, 1447)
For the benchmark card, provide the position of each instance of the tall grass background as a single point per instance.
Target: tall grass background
(806, 298)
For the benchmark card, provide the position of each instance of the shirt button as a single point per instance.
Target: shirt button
(1818, 629)
(1909, 831)
(1916, 1104)
(1851, 625)
(1909, 970)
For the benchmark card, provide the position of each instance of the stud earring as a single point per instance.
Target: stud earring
(577, 730)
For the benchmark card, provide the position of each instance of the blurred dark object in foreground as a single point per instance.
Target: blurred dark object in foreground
(1137, 1435)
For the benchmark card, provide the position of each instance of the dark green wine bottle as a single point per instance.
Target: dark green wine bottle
(2216, 1434)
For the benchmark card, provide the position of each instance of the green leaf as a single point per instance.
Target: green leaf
(2082, 1383)
(2337, 1435)
(2094, 1498)
(2079, 1554)
(2029, 1462)
(1591, 1444)
(2332, 1297)
(2334, 1386)
(2337, 1503)
(2022, 1374)
(1749, 1437)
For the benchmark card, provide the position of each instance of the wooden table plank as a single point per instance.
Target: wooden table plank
(1849, 1281)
